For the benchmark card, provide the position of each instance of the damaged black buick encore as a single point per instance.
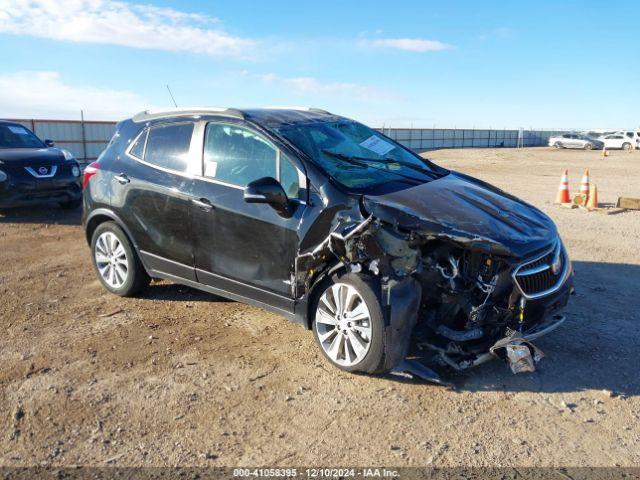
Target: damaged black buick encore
(379, 252)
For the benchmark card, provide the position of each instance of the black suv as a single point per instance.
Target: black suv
(33, 171)
(331, 224)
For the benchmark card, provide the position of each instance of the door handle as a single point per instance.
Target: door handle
(122, 179)
(202, 203)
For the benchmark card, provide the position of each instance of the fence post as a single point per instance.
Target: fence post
(84, 137)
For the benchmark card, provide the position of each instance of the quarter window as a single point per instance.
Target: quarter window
(237, 155)
(168, 146)
(137, 150)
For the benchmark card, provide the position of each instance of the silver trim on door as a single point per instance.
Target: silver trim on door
(195, 165)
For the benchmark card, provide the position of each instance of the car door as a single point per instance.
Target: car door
(613, 141)
(575, 141)
(151, 194)
(245, 248)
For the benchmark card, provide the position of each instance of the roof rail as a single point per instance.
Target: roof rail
(319, 110)
(303, 109)
(147, 115)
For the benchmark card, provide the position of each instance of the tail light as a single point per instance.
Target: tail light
(89, 171)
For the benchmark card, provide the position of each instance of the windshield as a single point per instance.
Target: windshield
(16, 136)
(358, 157)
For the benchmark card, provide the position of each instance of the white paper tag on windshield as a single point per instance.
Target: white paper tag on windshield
(18, 130)
(377, 145)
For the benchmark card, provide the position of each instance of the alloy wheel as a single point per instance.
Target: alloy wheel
(343, 325)
(111, 259)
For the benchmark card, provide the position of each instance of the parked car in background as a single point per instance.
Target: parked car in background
(623, 140)
(329, 223)
(575, 140)
(34, 171)
(633, 136)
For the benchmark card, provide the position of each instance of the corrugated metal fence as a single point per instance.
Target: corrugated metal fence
(86, 139)
(422, 139)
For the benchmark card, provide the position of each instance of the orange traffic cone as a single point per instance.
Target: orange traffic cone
(593, 198)
(563, 189)
(605, 153)
(584, 186)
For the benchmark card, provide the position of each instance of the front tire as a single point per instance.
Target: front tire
(348, 323)
(115, 261)
(626, 146)
(588, 146)
(557, 145)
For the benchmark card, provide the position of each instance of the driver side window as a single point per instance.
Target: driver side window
(236, 155)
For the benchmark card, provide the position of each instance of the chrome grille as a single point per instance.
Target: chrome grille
(543, 275)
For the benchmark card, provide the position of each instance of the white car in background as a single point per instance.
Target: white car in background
(575, 140)
(625, 140)
(634, 136)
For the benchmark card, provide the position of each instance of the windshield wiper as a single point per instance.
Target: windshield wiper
(417, 168)
(358, 160)
(346, 158)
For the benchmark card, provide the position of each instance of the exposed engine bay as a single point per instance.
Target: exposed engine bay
(451, 301)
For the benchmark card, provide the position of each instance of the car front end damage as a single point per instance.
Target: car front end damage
(475, 275)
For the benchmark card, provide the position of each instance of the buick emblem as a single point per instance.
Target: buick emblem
(43, 170)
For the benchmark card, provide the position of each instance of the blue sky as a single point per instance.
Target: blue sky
(501, 64)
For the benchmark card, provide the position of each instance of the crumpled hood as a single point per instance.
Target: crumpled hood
(467, 211)
(28, 156)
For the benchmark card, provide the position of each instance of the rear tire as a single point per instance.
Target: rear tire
(116, 262)
(350, 331)
(588, 146)
(626, 146)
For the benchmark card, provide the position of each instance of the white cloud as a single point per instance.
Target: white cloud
(120, 23)
(408, 44)
(44, 94)
(313, 86)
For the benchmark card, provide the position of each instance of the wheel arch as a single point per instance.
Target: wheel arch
(101, 215)
(335, 267)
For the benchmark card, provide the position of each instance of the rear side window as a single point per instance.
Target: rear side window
(168, 146)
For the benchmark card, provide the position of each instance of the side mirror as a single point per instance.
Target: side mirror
(49, 143)
(268, 190)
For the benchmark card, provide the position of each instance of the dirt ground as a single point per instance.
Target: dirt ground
(179, 377)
